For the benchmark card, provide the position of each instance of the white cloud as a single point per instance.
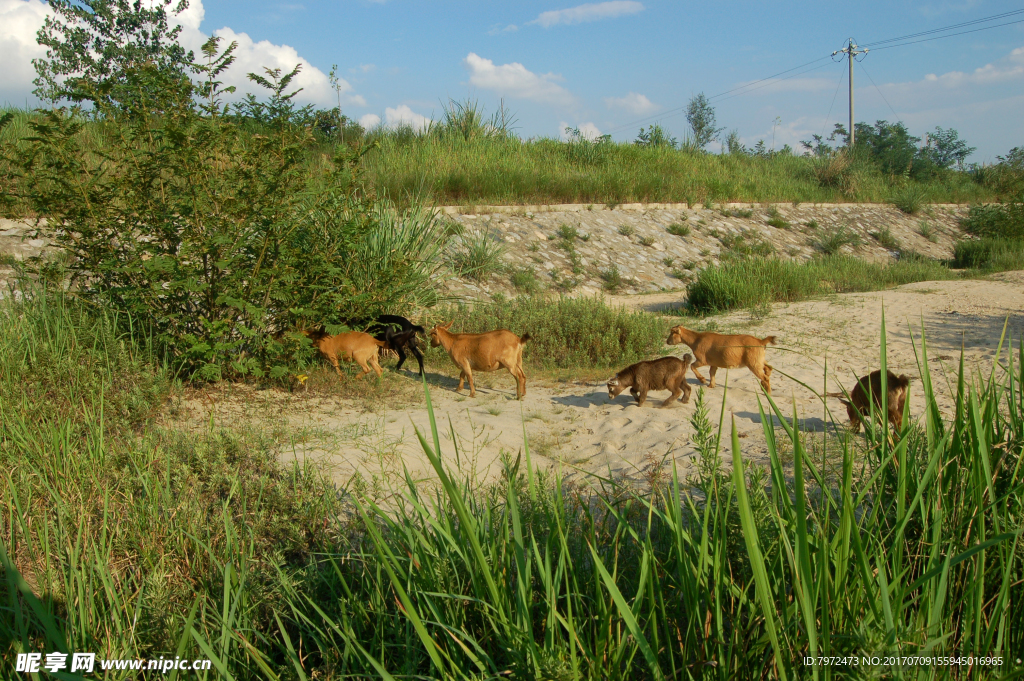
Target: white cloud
(21, 19)
(588, 12)
(515, 80)
(363, 68)
(498, 28)
(587, 130)
(632, 103)
(1010, 67)
(369, 121)
(403, 115)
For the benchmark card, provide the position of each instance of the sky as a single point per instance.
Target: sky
(610, 67)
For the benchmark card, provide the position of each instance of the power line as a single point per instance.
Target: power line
(678, 110)
(749, 87)
(947, 28)
(880, 93)
(834, 95)
(948, 35)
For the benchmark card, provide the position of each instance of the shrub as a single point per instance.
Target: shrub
(626, 230)
(886, 240)
(996, 221)
(835, 171)
(753, 283)
(611, 279)
(477, 255)
(677, 229)
(524, 279)
(830, 243)
(646, 241)
(989, 254)
(909, 199)
(568, 232)
(747, 243)
(779, 222)
(927, 231)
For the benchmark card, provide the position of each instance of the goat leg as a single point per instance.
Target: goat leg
(401, 358)
(693, 368)
(418, 355)
(672, 398)
(711, 372)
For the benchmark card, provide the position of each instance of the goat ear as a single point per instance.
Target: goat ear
(613, 381)
(448, 325)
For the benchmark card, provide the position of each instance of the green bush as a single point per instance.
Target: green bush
(477, 255)
(909, 199)
(992, 255)
(832, 242)
(677, 229)
(568, 332)
(754, 283)
(999, 221)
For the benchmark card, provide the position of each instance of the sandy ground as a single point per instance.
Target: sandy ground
(571, 423)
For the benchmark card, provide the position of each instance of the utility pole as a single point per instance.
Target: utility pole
(850, 51)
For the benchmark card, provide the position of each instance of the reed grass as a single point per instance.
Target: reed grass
(449, 169)
(147, 544)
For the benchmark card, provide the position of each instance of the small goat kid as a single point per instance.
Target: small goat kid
(351, 346)
(721, 351)
(488, 351)
(667, 373)
(400, 340)
(859, 405)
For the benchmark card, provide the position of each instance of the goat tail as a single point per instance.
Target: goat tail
(525, 337)
(768, 340)
(382, 344)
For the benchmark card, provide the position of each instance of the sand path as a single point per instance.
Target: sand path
(572, 423)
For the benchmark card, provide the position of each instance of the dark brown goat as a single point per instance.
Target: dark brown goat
(667, 373)
(897, 387)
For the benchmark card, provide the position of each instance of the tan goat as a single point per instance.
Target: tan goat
(483, 352)
(721, 351)
(351, 346)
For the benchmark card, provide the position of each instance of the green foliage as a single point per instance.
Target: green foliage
(1000, 221)
(98, 51)
(886, 240)
(611, 280)
(776, 220)
(927, 231)
(568, 232)
(678, 229)
(989, 254)
(216, 240)
(568, 332)
(223, 550)
(701, 117)
(834, 170)
(946, 149)
(646, 241)
(655, 137)
(831, 242)
(627, 230)
(524, 279)
(477, 255)
(755, 282)
(746, 244)
(909, 199)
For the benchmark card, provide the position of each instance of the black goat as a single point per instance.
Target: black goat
(384, 329)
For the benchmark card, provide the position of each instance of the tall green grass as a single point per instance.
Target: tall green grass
(566, 332)
(752, 283)
(446, 167)
(202, 547)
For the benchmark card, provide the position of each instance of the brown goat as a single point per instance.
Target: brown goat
(897, 387)
(721, 351)
(483, 352)
(667, 373)
(352, 346)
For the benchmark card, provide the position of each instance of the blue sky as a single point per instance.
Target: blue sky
(603, 66)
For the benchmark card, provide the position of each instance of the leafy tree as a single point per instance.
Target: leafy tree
(97, 48)
(733, 145)
(279, 109)
(655, 136)
(701, 117)
(216, 240)
(946, 149)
